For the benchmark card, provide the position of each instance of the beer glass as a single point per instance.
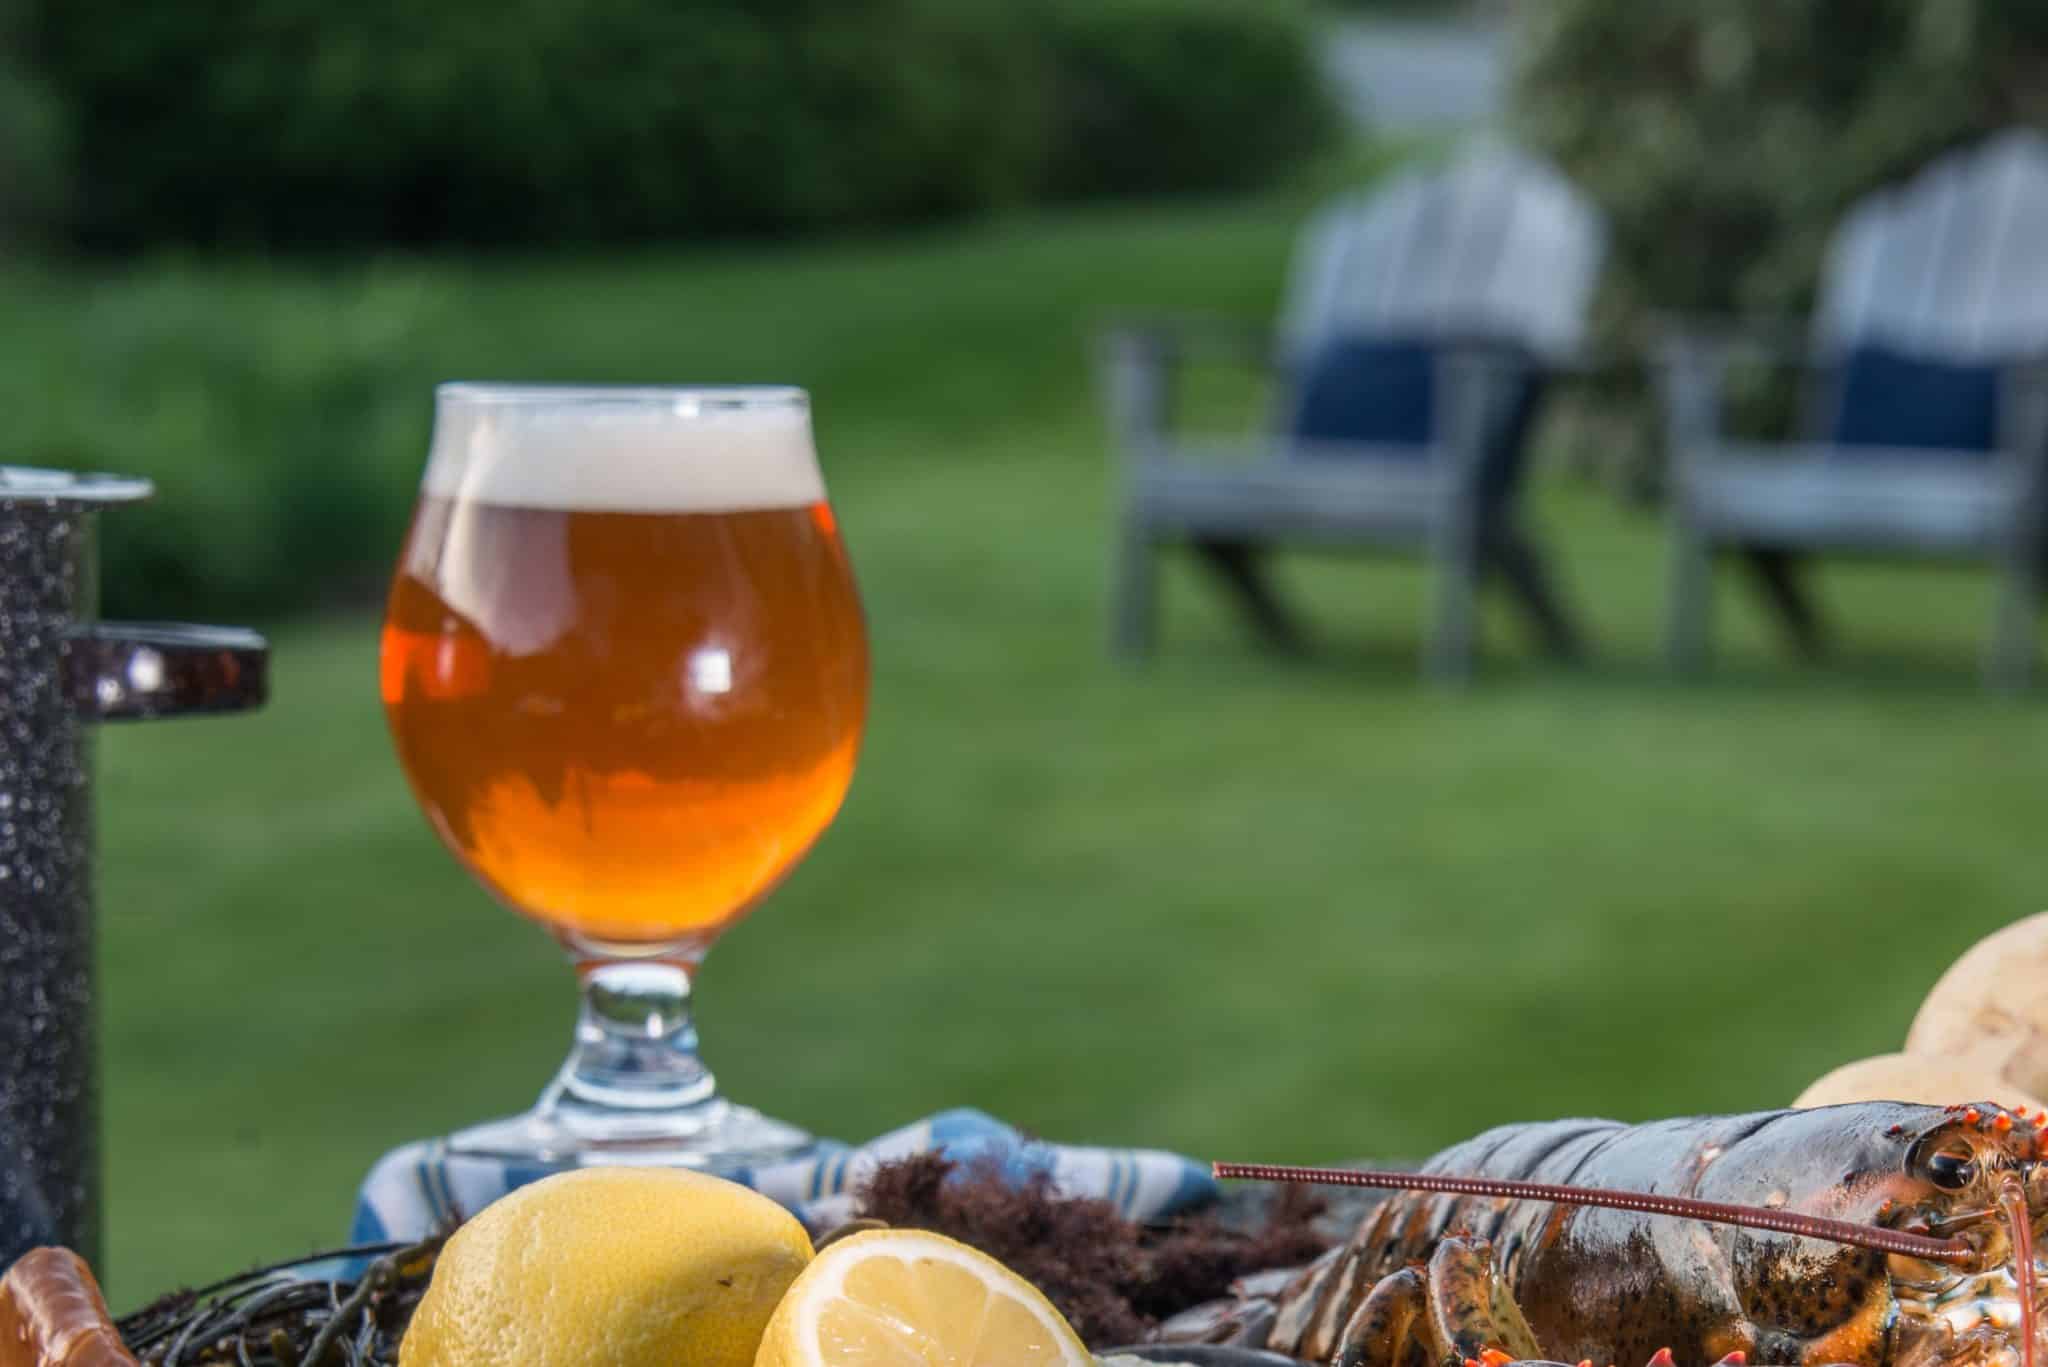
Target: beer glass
(625, 669)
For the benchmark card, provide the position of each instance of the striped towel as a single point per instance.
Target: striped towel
(415, 1187)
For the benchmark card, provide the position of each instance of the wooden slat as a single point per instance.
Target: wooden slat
(1954, 263)
(1390, 498)
(1905, 501)
(1497, 245)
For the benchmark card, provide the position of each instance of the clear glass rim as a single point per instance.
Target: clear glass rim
(700, 398)
(22, 483)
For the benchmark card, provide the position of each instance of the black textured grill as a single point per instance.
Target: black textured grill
(49, 1146)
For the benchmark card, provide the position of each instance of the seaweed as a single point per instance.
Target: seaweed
(283, 1315)
(1113, 1278)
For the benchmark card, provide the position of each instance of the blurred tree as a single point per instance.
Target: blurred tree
(1726, 137)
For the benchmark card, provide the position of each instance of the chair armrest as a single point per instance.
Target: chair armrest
(1185, 337)
(1137, 363)
(1690, 357)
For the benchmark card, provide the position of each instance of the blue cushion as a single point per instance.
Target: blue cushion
(1366, 389)
(1383, 389)
(1891, 398)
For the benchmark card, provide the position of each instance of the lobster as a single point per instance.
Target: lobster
(1878, 1234)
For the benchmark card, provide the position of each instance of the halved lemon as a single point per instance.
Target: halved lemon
(905, 1298)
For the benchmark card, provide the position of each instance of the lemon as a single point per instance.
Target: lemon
(905, 1298)
(610, 1267)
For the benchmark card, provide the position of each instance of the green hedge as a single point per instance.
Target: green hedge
(310, 123)
(283, 420)
(1161, 95)
(32, 163)
(380, 121)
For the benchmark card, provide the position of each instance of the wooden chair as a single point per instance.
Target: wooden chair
(1421, 321)
(1923, 427)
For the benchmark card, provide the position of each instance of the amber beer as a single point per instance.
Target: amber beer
(624, 662)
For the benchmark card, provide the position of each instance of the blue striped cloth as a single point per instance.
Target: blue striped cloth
(413, 1188)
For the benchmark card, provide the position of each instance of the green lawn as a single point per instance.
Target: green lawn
(1226, 904)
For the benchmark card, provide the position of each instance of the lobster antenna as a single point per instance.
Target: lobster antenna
(1954, 1251)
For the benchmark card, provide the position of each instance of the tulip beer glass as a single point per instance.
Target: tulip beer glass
(625, 669)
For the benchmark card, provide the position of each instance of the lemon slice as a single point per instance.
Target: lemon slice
(905, 1298)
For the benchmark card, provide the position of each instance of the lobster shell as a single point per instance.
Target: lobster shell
(53, 1315)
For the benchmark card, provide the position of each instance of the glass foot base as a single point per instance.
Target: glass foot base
(716, 1136)
(633, 1089)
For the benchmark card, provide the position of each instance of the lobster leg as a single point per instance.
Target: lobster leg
(1247, 1318)
(1391, 1326)
(1459, 1310)
(1471, 1306)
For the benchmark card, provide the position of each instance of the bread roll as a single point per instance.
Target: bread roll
(1991, 1007)
(1915, 1077)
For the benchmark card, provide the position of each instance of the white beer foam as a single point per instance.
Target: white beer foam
(641, 456)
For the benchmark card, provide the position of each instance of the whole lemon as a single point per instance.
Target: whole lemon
(610, 1267)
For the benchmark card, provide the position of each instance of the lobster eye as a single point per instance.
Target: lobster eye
(1953, 1171)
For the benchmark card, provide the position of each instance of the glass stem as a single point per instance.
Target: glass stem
(636, 1049)
(633, 1089)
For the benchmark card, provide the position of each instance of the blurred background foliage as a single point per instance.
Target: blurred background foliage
(1725, 138)
(304, 123)
(32, 162)
(1159, 97)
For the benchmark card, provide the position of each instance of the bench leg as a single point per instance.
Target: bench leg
(1515, 557)
(1689, 613)
(2009, 664)
(1777, 573)
(1453, 628)
(1134, 592)
(1241, 568)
